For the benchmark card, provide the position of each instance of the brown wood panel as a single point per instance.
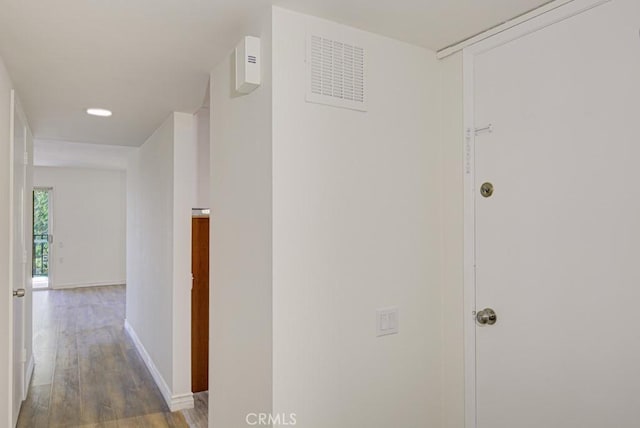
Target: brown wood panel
(200, 305)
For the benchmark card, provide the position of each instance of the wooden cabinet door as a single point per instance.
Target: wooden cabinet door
(200, 305)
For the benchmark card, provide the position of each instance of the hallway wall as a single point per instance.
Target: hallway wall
(202, 118)
(89, 226)
(161, 191)
(240, 362)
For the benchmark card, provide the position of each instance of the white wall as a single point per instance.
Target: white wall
(202, 118)
(149, 246)
(320, 217)
(357, 227)
(240, 335)
(88, 225)
(184, 199)
(161, 182)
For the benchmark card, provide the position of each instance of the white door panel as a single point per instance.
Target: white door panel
(18, 258)
(558, 243)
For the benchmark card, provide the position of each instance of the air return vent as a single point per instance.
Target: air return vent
(336, 73)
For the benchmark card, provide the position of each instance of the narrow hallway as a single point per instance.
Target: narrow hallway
(87, 371)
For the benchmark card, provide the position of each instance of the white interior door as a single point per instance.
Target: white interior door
(19, 256)
(558, 242)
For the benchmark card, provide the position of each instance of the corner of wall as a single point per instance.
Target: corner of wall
(175, 402)
(452, 158)
(241, 270)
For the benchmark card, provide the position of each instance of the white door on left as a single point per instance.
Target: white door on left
(19, 254)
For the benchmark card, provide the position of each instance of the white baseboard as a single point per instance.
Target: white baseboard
(181, 402)
(87, 284)
(175, 402)
(28, 375)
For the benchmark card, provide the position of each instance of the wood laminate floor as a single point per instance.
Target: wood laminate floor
(198, 416)
(87, 370)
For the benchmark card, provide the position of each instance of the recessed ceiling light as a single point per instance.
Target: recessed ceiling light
(99, 112)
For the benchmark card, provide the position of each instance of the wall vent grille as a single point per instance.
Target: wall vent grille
(337, 73)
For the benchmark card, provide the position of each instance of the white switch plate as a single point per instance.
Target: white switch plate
(387, 321)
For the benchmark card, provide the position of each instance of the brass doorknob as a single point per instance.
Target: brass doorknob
(486, 317)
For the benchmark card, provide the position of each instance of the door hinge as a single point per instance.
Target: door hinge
(484, 130)
(26, 158)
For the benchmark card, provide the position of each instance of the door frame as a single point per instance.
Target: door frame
(17, 112)
(469, 53)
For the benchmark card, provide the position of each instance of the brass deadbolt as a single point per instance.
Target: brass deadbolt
(486, 190)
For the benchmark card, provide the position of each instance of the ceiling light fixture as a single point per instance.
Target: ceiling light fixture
(99, 112)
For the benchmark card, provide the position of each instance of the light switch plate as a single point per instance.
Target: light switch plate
(387, 321)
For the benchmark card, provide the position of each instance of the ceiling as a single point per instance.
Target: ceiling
(56, 153)
(146, 58)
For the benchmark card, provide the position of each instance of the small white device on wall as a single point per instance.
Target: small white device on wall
(248, 64)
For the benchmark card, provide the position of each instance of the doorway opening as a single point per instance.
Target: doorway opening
(42, 237)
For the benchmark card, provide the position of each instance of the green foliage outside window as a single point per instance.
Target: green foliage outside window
(40, 233)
